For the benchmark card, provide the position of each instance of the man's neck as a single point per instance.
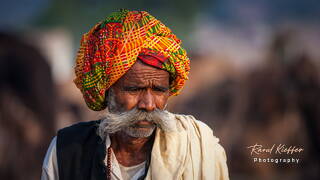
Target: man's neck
(129, 150)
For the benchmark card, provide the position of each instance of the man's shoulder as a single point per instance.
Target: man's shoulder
(204, 132)
(78, 132)
(80, 126)
(77, 145)
(196, 127)
(193, 121)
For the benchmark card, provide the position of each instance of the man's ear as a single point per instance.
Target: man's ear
(106, 97)
(106, 93)
(110, 99)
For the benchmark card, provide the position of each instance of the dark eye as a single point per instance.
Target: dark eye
(160, 89)
(131, 89)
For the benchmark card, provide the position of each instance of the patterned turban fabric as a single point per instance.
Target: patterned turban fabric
(112, 46)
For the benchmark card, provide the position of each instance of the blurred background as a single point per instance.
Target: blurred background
(254, 76)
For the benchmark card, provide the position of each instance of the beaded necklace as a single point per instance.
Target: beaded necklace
(109, 165)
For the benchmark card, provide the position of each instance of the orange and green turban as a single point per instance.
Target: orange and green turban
(112, 46)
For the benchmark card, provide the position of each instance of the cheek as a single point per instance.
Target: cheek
(161, 101)
(128, 101)
(125, 101)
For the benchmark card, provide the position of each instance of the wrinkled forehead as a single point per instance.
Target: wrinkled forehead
(143, 74)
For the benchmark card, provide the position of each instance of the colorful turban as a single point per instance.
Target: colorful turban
(112, 46)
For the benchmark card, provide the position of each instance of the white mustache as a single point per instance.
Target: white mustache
(114, 122)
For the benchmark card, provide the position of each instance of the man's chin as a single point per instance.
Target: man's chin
(143, 125)
(140, 131)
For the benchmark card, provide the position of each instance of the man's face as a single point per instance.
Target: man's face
(143, 89)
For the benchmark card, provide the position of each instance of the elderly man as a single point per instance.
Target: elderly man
(130, 64)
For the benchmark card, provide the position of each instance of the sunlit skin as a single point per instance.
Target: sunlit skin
(146, 88)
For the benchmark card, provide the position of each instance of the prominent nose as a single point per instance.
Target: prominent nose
(146, 101)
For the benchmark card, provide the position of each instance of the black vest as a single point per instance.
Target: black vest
(81, 152)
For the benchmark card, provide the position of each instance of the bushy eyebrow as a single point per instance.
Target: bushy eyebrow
(135, 88)
(132, 88)
(161, 88)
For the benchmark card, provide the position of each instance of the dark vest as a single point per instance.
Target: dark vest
(81, 152)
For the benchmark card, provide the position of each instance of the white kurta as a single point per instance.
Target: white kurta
(191, 152)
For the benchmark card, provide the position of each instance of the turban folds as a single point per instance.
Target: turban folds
(112, 46)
